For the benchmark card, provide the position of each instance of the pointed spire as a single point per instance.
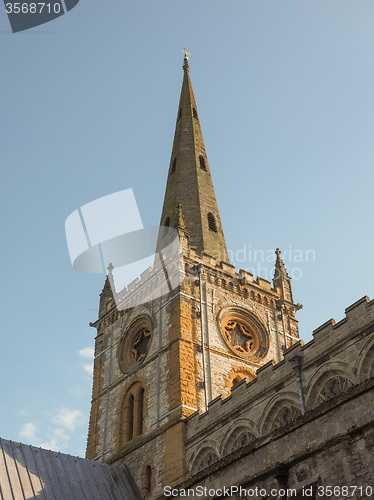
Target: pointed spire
(281, 280)
(189, 180)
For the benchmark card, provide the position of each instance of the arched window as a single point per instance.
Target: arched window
(212, 222)
(148, 479)
(141, 411)
(131, 417)
(239, 437)
(202, 162)
(174, 166)
(167, 222)
(281, 413)
(131, 414)
(194, 112)
(205, 458)
(180, 114)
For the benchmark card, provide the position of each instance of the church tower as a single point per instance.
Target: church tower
(160, 361)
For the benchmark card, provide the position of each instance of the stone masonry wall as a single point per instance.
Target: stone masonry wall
(331, 444)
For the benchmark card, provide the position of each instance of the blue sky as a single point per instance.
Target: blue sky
(285, 96)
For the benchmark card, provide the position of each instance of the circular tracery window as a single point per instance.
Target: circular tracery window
(240, 335)
(140, 345)
(243, 333)
(134, 344)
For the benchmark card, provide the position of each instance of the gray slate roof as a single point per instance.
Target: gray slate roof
(29, 473)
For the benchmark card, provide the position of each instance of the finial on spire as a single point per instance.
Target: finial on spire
(185, 59)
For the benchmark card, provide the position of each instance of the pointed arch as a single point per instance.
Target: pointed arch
(149, 474)
(365, 362)
(204, 453)
(204, 459)
(236, 438)
(237, 374)
(329, 381)
(131, 414)
(280, 411)
(148, 479)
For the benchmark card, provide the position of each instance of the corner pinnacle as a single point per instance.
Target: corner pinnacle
(180, 219)
(279, 264)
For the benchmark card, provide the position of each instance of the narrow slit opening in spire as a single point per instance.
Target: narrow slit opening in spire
(174, 166)
(202, 163)
(212, 222)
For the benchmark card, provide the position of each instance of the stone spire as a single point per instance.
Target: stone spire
(281, 280)
(189, 181)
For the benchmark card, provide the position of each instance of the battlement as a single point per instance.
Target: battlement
(273, 379)
(242, 282)
(168, 273)
(357, 315)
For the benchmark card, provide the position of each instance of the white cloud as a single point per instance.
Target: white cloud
(57, 441)
(28, 431)
(89, 368)
(86, 352)
(56, 431)
(68, 418)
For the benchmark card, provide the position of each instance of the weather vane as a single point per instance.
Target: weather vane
(186, 53)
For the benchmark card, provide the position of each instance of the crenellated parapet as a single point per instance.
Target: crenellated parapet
(171, 270)
(241, 282)
(338, 360)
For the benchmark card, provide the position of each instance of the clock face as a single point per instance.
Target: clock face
(135, 343)
(243, 333)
